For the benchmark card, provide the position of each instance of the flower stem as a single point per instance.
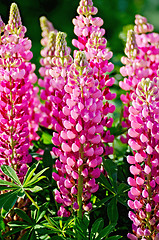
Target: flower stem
(80, 191)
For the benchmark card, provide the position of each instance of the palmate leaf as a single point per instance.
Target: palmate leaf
(7, 170)
(112, 210)
(96, 228)
(105, 231)
(30, 173)
(26, 236)
(37, 177)
(33, 189)
(111, 168)
(23, 215)
(7, 201)
(5, 185)
(16, 230)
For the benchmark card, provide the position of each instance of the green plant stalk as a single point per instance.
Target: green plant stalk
(80, 191)
(11, 129)
(148, 180)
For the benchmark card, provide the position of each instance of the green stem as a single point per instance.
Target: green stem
(80, 191)
(11, 128)
(149, 178)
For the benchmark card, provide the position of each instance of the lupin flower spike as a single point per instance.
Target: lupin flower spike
(144, 141)
(78, 138)
(131, 49)
(142, 52)
(14, 23)
(46, 26)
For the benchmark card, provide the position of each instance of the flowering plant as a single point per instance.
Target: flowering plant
(68, 168)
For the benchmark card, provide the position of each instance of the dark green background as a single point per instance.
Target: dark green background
(115, 13)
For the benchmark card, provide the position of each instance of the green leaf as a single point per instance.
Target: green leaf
(114, 237)
(96, 228)
(102, 179)
(7, 201)
(34, 189)
(30, 173)
(106, 231)
(23, 215)
(3, 188)
(16, 230)
(3, 182)
(111, 169)
(81, 228)
(7, 170)
(47, 138)
(26, 236)
(112, 211)
(41, 212)
(33, 236)
(122, 188)
(86, 219)
(19, 224)
(118, 130)
(2, 224)
(37, 177)
(102, 202)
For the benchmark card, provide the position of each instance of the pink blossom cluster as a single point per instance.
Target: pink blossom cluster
(91, 41)
(79, 140)
(47, 53)
(142, 61)
(53, 68)
(16, 75)
(144, 141)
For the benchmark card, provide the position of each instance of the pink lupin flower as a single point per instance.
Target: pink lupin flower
(79, 142)
(57, 62)
(15, 94)
(15, 29)
(91, 40)
(144, 186)
(141, 62)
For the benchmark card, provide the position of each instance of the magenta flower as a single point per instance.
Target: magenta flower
(141, 62)
(91, 41)
(78, 132)
(15, 94)
(144, 141)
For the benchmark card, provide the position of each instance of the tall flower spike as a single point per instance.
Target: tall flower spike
(15, 95)
(144, 141)
(47, 53)
(14, 23)
(91, 40)
(14, 18)
(55, 65)
(46, 26)
(142, 60)
(78, 139)
(142, 26)
(131, 49)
